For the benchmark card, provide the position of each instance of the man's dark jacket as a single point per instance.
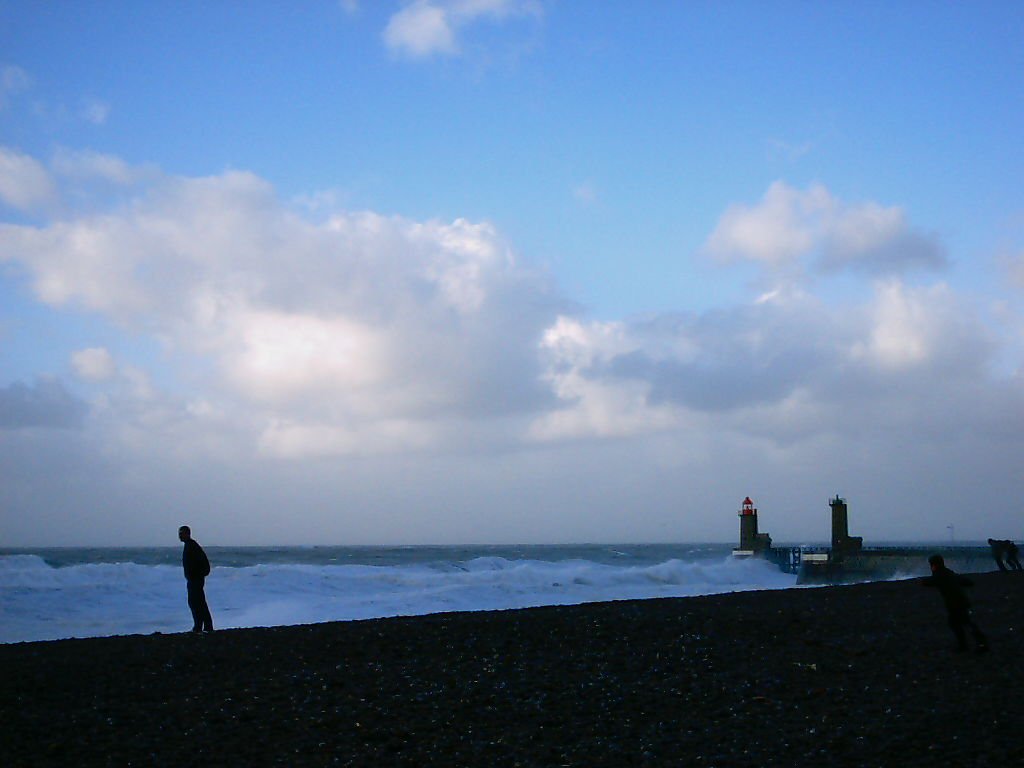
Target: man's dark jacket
(950, 585)
(194, 561)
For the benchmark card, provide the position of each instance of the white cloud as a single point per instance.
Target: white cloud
(426, 28)
(1013, 264)
(84, 263)
(277, 356)
(594, 406)
(776, 231)
(328, 327)
(95, 111)
(421, 29)
(903, 332)
(461, 256)
(585, 193)
(95, 166)
(93, 364)
(13, 80)
(295, 440)
(785, 368)
(788, 151)
(793, 228)
(922, 328)
(24, 183)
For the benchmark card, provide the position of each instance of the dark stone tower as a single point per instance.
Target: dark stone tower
(842, 541)
(751, 542)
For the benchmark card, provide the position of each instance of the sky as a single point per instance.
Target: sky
(496, 271)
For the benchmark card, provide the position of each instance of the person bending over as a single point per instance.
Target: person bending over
(1011, 555)
(197, 568)
(998, 551)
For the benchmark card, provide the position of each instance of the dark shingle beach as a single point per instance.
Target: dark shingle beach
(860, 675)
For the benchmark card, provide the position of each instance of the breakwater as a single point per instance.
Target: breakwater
(847, 559)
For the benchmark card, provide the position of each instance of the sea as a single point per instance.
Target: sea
(49, 594)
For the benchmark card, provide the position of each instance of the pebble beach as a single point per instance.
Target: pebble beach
(857, 675)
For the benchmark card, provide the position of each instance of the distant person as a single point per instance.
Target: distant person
(958, 607)
(1011, 556)
(197, 568)
(998, 551)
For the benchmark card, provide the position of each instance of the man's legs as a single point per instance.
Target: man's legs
(980, 641)
(194, 596)
(956, 623)
(201, 618)
(960, 619)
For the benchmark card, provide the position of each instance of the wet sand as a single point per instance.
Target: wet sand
(860, 675)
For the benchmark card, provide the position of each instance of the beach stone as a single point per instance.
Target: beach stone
(727, 680)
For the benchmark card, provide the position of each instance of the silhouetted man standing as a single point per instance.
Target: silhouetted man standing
(197, 568)
(950, 586)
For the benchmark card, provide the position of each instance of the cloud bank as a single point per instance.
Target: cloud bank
(44, 403)
(384, 379)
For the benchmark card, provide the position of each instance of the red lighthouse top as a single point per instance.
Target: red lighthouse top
(748, 507)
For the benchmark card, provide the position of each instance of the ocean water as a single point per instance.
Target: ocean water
(47, 594)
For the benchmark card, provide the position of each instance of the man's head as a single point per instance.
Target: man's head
(991, 541)
(184, 533)
(936, 562)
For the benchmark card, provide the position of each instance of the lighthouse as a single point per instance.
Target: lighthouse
(751, 542)
(842, 542)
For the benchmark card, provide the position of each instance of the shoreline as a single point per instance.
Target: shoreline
(44, 602)
(857, 674)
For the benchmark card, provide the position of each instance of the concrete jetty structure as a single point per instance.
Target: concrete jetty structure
(847, 560)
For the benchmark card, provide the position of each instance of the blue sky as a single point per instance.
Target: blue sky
(541, 270)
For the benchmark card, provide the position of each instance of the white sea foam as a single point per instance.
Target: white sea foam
(40, 602)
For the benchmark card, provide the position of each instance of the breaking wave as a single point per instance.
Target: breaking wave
(41, 602)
